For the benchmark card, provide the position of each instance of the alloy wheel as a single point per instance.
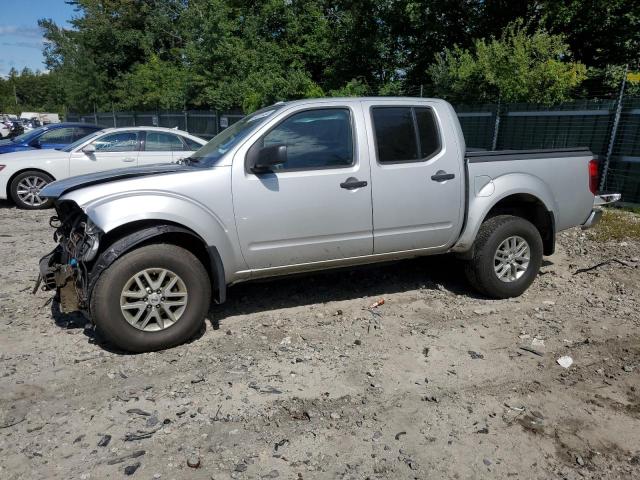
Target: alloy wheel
(29, 190)
(153, 299)
(512, 259)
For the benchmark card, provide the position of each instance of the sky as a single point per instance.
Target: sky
(20, 38)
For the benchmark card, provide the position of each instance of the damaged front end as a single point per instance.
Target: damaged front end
(66, 269)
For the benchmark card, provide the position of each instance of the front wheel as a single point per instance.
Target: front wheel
(25, 190)
(507, 257)
(152, 298)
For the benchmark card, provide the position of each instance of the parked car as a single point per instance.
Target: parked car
(5, 129)
(300, 186)
(57, 135)
(16, 128)
(31, 123)
(24, 174)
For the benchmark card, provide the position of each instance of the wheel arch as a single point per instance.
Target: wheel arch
(20, 172)
(130, 236)
(531, 199)
(531, 208)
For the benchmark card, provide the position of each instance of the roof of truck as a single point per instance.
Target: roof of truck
(358, 99)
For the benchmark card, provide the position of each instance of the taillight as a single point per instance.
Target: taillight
(1, 167)
(593, 176)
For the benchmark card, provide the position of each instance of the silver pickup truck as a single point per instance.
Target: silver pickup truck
(300, 186)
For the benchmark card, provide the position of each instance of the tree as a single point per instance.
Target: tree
(599, 32)
(155, 84)
(517, 67)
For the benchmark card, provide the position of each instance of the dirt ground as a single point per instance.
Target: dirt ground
(298, 379)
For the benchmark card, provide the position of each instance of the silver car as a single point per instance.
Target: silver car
(301, 186)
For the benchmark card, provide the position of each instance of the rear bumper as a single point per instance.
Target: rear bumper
(606, 198)
(593, 219)
(596, 213)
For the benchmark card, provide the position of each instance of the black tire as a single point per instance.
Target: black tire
(105, 299)
(23, 202)
(480, 269)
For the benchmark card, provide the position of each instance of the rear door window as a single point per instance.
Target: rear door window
(405, 134)
(192, 145)
(395, 133)
(428, 132)
(162, 142)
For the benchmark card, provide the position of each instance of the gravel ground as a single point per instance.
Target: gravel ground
(297, 378)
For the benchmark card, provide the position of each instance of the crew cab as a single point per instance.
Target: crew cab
(300, 186)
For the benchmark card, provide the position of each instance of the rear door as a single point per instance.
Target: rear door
(113, 150)
(158, 147)
(417, 178)
(316, 206)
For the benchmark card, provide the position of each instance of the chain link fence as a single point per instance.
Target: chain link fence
(610, 128)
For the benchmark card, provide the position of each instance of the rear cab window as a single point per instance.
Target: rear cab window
(405, 133)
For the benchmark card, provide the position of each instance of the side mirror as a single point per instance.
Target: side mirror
(261, 159)
(89, 149)
(35, 144)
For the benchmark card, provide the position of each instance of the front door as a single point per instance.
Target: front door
(311, 208)
(113, 150)
(417, 178)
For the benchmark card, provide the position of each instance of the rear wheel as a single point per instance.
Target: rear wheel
(25, 190)
(152, 298)
(507, 257)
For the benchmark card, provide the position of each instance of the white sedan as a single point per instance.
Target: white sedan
(24, 174)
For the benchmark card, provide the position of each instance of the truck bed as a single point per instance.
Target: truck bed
(559, 177)
(477, 156)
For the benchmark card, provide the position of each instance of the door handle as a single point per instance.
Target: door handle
(352, 183)
(128, 159)
(442, 176)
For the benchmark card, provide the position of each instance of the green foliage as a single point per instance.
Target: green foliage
(172, 54)
(517, 67)
(30, 91)
(354, 88)
(155, 84)
(613, 75)
(599, 32)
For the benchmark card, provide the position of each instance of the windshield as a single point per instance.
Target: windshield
(77, 143)
(230, 137)
(27, 137)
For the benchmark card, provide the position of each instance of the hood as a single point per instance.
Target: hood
(57, 189)
(32, 154)
(7, 146)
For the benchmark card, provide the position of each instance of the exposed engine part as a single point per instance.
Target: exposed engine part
(54, 274)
